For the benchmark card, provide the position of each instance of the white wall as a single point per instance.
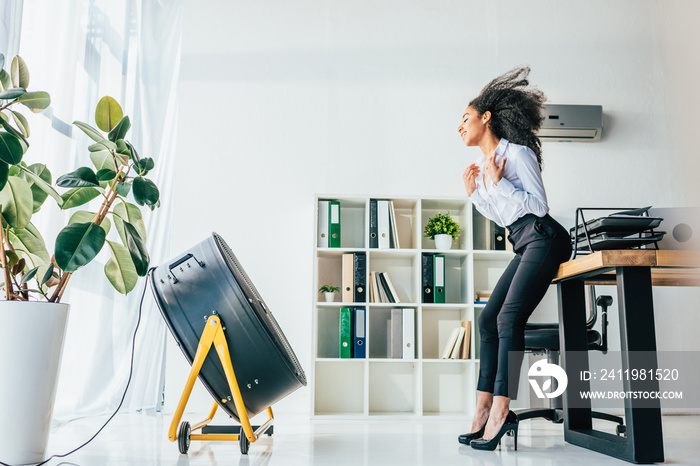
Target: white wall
(284, 99)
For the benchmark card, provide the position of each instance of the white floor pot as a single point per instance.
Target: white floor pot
(31, 343)
(443, 241)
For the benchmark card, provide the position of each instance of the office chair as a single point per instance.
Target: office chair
(544, 338)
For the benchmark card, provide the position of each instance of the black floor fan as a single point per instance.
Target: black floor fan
(209, 302)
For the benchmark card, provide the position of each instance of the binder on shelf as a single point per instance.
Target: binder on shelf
(373, 238)
(382, 282)
(374, 288)
(390, 285)
(388, 337)
(409, 332)
(348, 278)
(439, 278)
(396, 349)
(359, 286)
(383, 224)
(345, 349)
(457, 349)
(499, 238)
(381, 289)
(389, 290)
(450, 344)
(323, 212)
(427, 280)
(334, 224)
(467, 324)
(359, 326)
(394, 243)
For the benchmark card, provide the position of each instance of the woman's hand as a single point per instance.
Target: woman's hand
(495, 172)
(469, 178)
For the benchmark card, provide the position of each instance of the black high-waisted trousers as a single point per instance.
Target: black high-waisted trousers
(540, 244)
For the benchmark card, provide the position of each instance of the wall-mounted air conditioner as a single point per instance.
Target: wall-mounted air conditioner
(572, 123)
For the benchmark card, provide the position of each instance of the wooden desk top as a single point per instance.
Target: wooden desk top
(668, 268)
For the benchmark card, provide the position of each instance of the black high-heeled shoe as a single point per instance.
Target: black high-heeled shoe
(466, 438)
(509, 425)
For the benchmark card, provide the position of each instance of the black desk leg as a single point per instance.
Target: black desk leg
(638, 347)
(644, 442)
(572, 338)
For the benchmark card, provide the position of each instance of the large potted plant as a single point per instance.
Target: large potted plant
(33, 317)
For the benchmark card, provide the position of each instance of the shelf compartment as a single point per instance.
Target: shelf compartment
(488, 269)
(339, 387)
(437, 324)
(328, 332)
(330, 272)
(459, 211)
(378, 331)
(483, 232)
(448, 387)
(352, 221)
(392, 388)
(406, 211)
(456, 277)
(403, 270)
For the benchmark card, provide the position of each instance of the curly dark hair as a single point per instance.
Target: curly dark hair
(516, 110)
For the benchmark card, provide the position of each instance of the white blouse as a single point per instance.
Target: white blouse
(519, 192)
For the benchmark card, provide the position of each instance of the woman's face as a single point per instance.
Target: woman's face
(473, 126)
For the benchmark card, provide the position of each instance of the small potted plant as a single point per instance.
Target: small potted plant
(32, 279)
(329, 292)
(443, 229)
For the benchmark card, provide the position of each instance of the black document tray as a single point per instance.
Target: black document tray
(625, 224)
(624, 229)
(612, 241)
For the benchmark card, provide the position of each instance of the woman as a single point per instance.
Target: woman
(505, 185)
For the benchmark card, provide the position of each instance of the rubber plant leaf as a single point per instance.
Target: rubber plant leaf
(108, 113)
(120, 270)
(83, 216)
(10, 148)
(78, 196)
(83, 177)
(37, 101)
(19, 72)
(16, 201)
(39, 181)
(77, 244)
(120, 130)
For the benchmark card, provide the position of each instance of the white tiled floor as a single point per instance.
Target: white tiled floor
(141, 439)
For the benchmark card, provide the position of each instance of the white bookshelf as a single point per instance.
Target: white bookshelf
(398, 388)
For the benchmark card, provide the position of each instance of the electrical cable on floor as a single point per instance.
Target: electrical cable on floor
(128, 382)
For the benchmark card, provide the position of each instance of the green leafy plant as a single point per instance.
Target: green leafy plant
(329, 289)
(442, 225)
(119, 174)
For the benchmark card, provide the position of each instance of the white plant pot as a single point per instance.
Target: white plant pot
(443, 241)
(329, 297)
(31, 342)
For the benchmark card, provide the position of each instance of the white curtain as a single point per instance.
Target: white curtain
(10, 22)
(79, 51)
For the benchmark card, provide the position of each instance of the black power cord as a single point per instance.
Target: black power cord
(128, 382)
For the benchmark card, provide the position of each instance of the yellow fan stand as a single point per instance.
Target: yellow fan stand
(214, 335)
